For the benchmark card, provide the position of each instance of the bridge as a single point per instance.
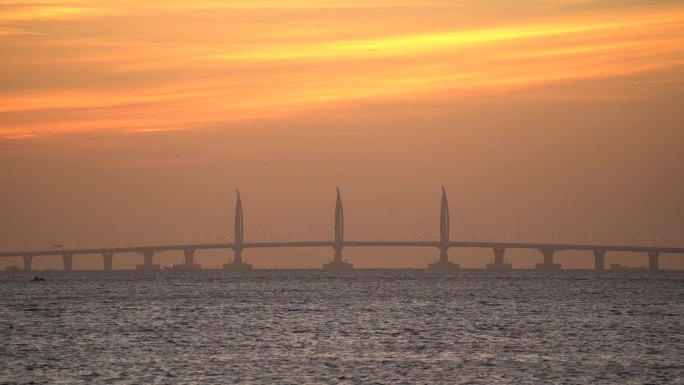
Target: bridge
(443, 244)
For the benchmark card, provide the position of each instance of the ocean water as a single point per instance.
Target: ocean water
(360, 327)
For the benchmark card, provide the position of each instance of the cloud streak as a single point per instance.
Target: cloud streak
(124, 67)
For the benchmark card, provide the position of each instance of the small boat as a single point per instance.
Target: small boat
(37, 279)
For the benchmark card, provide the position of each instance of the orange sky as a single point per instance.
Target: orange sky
(121, 66)
(378, 97)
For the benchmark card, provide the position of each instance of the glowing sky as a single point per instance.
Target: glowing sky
(124, 120)
(130, 66)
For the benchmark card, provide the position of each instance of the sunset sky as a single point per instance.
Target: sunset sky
(128, 120)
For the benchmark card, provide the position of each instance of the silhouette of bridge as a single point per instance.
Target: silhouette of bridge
(443, 244)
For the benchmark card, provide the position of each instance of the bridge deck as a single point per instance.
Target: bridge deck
(254, 245)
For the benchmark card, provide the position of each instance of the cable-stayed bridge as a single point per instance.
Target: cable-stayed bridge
(441, 242)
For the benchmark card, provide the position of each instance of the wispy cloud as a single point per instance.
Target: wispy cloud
(130, 67)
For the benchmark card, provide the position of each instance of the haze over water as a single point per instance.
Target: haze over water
(369, 326)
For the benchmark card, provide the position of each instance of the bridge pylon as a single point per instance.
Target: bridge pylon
(443, 264)
(237, 264)
(337, 263)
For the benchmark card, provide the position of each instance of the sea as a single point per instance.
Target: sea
(357, 327)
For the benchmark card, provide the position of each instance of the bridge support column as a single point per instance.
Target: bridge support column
(189, 256)
(148, 264)
(189, 263)
(237, 264)
(107, 259)
(548, 264)
(68, 259)
(338, 264)
(653, 260)
(599, 260)
(27, 262)
(499, 263)
(338, 255)
(443, 264)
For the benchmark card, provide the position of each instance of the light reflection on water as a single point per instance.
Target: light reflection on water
(308, 326)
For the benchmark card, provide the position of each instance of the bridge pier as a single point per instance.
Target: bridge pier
(27, 262)
(107, 258)
(148, 264)
(599, 260)
(337, 263)
(189, 263)
(443, 264)
(237, 264)
(653, 260)
(499, 263)
(68, 259)
(548, 264)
